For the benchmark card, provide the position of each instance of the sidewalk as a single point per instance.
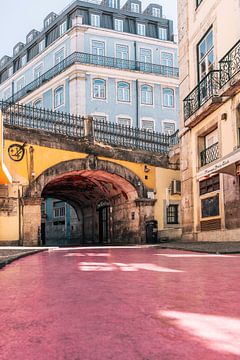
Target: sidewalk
(231, 247)
(8, 255)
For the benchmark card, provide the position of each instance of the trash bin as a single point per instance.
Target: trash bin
(151, 232)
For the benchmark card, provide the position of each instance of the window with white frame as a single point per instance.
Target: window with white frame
(20, 83)
(63, 28)
(122, 52)
(59, 211)
(7, 93)
(99, 89)
(38, 71)
(29, 38)
(211, 138)
(169, 128)
(100, 117)
(113, 4)
(167, 59)
(95, 20)
(10, 71)
(156, 12)
(141, 29)
(147, 94)
(206, 54)
(38, 103)
(118, 25)
(162, 33)
(123, 91)
(148, 125)
(124, 121)
(59, 56)
(48, 22)
(41, 45)
(135, 7)
(98, 48)
(59, 97)
(168, 97)
(145, 55)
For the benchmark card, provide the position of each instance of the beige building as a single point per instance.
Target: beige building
(209, 42)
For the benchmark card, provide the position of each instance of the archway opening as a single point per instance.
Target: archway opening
(89, 207)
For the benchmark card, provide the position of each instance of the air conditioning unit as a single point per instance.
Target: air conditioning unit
(176, 187)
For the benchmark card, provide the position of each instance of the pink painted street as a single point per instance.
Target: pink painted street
(121, 304)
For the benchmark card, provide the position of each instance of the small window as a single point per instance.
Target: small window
(38, 71)
(141, 29)
(167, 59)
(135, 7)
(95, 20)
(118, 25)
(63, 28)
(100, 117)
(162, 33)
(38, 103)
(169, 128)
(172, 214)
(99, 89)
(147, 94)
(59, 56)
(29, 38)
(47, 22)
(168, 98)
(59, 212)
(58, 97)
(42, 45)
(148, 125)
(156, 12)
(123, 91)
(113, 4)
(124, 121)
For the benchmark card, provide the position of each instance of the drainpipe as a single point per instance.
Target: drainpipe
(137, 100)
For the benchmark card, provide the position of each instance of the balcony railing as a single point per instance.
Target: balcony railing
(230, 64)
(72, 126)
(90, 59)
(209, 154)
(205, 90)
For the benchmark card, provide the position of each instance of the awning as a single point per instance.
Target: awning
(226, 165)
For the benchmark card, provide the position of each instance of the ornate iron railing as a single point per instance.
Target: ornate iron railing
(230, 64)
(56, 122)
(209, 154)
(90, 59)
(205, 90)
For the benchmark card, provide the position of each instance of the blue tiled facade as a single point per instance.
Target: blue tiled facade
(146, 60)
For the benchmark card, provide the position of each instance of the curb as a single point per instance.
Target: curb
(5, 262)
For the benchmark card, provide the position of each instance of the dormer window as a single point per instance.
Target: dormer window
(47, 22)
(141, 29)
(156, 12)
(63, 28)
(16, 50)
(135, 7)
(95, 20)
(113, 4)
(29, 38)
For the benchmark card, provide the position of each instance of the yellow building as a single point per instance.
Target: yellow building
(209, 35)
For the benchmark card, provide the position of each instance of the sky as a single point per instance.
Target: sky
(18, 17)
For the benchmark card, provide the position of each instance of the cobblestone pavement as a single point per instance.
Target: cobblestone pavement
(121, 304)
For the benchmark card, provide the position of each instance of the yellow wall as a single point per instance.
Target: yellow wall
(164, 178)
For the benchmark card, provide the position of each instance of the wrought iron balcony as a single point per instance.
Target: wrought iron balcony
(90, 59)
(205, 90)
(209, 154)
(230, 64)
(59, 123)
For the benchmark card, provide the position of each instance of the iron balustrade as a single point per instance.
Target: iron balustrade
(91, 59)
(230, 64)
(209, 154)
(55, 122)
(205, 90)
(132, 138)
